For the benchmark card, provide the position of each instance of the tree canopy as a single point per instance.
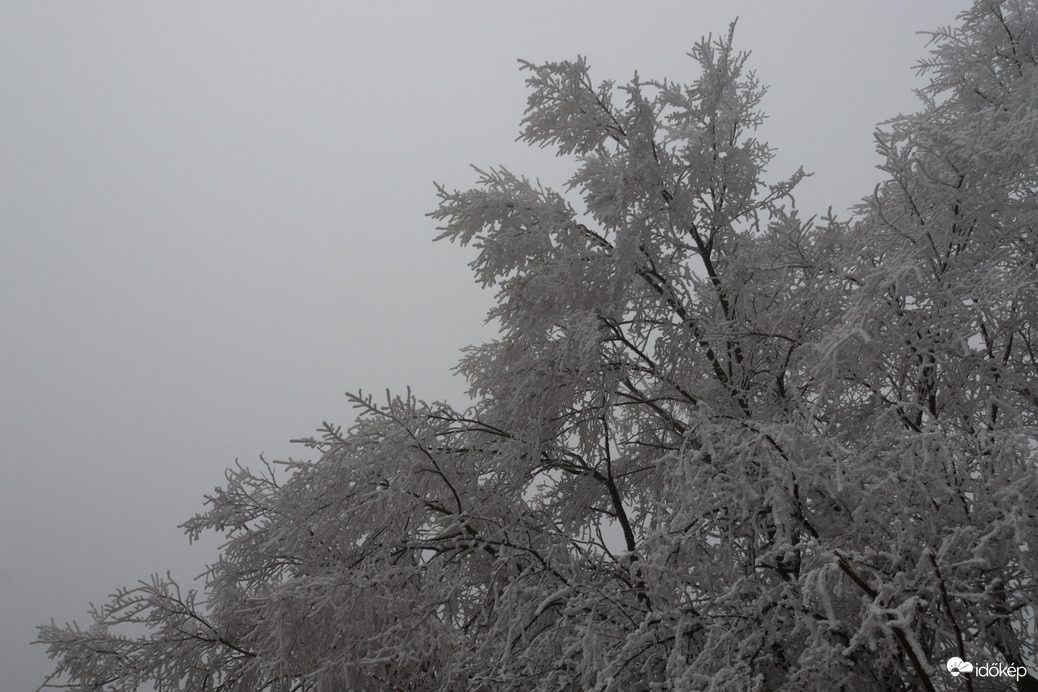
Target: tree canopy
(715, 445)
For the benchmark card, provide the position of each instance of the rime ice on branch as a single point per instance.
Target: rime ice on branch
(716, 446)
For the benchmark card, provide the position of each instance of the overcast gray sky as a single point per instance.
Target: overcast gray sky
(212, 226)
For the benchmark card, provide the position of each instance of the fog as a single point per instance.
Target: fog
(212, 225)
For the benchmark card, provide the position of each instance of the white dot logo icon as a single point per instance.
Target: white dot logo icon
(956, 666)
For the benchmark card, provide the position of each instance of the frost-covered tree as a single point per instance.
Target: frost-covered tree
(715, 447)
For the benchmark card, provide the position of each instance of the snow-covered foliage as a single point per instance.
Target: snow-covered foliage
(716, 446)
